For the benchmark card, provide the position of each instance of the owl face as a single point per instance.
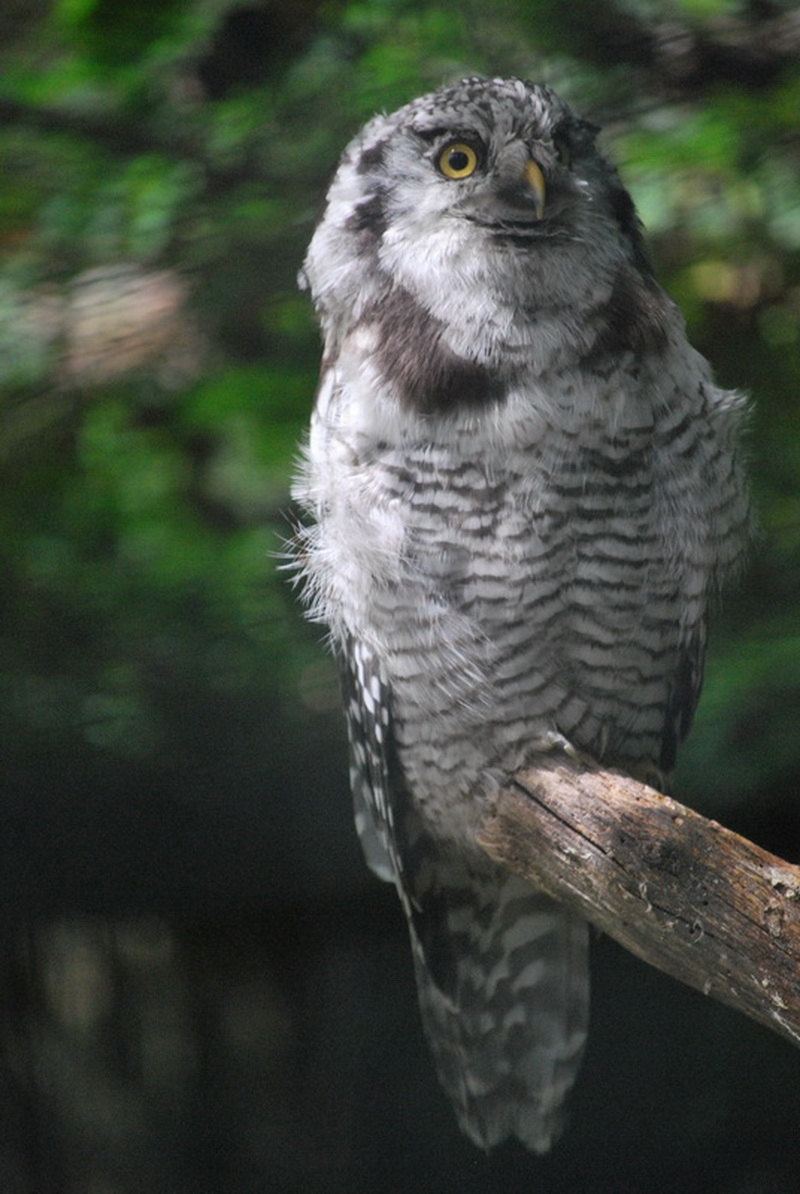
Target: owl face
(487, 167)
(481, 224)
(496, 155)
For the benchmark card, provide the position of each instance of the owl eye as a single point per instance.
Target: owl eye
(457, 160)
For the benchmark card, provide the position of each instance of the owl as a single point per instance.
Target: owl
(522, 488)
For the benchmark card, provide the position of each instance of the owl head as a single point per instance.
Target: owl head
(486, 210)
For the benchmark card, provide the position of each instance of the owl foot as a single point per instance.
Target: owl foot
(551, 741)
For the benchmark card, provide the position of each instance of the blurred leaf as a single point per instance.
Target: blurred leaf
(180, 151)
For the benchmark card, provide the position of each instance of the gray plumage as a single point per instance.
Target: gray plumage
(523, 486)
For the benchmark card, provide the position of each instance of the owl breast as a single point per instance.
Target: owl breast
(519, 576)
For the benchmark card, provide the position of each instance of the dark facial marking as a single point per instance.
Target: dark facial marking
(369, 216)
(372, 159)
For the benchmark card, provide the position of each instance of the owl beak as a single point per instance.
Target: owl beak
(515, 194)
(534, 180)
(520, 189)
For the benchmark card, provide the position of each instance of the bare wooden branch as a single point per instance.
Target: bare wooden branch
(686, 895)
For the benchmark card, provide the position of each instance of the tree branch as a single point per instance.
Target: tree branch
(681, 892)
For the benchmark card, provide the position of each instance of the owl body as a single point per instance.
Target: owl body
(524, 486)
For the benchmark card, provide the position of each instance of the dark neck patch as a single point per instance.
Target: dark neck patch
(634, 319)
(624, 212)
(414, 359)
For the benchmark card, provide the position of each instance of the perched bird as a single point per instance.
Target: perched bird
(523, 487)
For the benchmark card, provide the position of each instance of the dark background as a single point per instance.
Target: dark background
(202, 988)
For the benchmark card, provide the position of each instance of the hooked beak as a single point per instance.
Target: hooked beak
(513, 192)
(535, 182)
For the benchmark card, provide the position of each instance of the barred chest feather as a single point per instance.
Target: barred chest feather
(539, 564)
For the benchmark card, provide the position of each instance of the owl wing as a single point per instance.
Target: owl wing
(683, 694)
(366, 699)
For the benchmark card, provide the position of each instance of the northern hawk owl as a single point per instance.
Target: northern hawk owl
(523, 486)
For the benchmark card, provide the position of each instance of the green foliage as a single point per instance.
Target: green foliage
(146, 480)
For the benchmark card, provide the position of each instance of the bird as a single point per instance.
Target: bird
(520, 492)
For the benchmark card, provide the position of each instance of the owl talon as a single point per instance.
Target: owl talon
(552, 742)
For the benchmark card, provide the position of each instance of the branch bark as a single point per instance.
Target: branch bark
(681, 892)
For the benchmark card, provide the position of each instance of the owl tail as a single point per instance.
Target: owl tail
(503, 980)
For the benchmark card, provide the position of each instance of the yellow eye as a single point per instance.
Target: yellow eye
(458, 160)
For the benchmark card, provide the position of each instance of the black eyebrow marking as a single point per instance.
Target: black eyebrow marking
(450, 132)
